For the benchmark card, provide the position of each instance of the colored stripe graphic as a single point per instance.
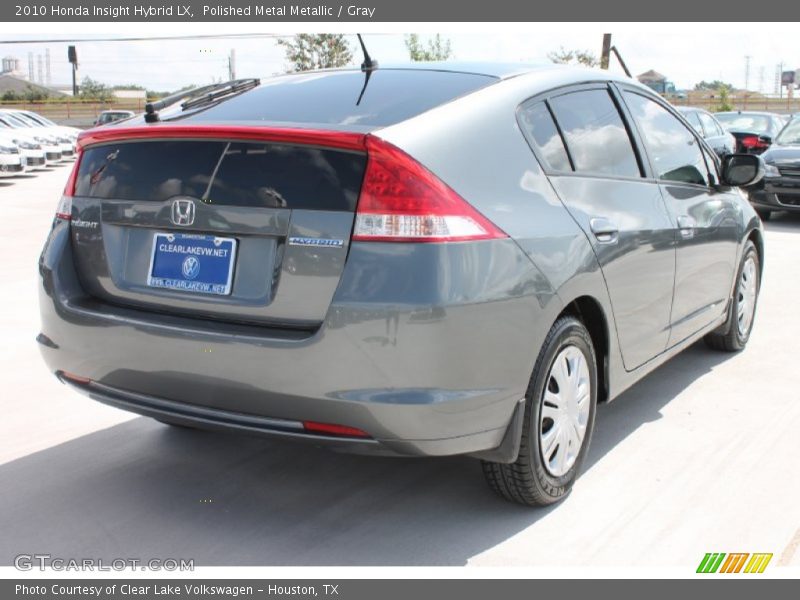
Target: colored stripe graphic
(758, 562)
(734, 562)
(710, 562)
(713, 562)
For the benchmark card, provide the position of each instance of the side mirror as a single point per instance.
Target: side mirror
(741, 170)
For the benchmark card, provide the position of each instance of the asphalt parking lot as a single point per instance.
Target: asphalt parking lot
(701, 456)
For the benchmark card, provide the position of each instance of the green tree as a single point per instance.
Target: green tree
(94, 90)
(713, 86)
(573, 57)
(308, 51)
(724, 100)
(437, 48)
(33, 94)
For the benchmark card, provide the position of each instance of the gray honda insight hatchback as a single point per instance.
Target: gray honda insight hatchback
(431, 260)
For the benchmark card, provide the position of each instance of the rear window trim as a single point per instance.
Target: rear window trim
(330, 140)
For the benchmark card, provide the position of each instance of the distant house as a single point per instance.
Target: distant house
(655, 81)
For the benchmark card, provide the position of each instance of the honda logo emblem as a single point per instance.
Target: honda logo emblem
(182, 212)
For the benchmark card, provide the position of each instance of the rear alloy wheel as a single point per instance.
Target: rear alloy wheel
(559, 418)
(742, 309)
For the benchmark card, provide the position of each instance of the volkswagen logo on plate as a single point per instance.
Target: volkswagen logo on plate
(182, 212)
(191, 267)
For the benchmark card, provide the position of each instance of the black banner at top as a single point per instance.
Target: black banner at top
(394, 11)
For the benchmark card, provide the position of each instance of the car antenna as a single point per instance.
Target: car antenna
(367, 67)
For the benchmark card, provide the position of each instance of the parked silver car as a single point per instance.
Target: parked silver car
(720, 140)
(430, 260)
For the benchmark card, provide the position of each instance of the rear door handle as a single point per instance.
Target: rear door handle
(604, 230)
(687, 225)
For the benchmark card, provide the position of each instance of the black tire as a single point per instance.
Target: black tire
(764, 213)
(728, 338)
(527, 481)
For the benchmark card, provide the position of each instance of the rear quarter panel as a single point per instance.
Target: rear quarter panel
(474, 144)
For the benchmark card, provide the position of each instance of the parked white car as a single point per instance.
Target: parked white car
(20, 133)
(31, 151)
(66, 136)
(64, 144)
(10, 159)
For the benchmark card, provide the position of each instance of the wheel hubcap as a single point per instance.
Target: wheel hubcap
(746, 291)
(565, 411)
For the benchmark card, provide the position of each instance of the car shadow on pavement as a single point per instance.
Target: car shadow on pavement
(783, 221)
(145, 490)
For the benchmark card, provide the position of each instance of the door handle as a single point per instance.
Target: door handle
(604, 230)
(686, 225)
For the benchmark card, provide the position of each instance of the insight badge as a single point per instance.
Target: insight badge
(317, 242)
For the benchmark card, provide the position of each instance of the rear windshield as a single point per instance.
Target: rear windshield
(332, 98)
(790, 134)
(223, 173)
(737, 122)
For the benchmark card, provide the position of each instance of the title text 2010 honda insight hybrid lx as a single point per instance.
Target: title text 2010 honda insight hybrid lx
(431, 260)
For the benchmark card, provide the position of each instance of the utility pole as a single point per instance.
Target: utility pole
(605, 54)
(747, 72)
(72, 55)
(47, 80)
(232, 65)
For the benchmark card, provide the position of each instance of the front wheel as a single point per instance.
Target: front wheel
(559, 418)
(742, 309)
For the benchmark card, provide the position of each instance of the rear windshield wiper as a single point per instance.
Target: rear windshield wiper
(199, 96)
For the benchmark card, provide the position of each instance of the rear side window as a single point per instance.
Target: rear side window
(675, 152)
(709, 125)
(595, 134)
(389, 97)
(694, 121)
(538, 123)
(223, 173)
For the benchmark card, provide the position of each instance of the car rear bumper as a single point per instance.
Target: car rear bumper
(779, 194)
(436, 367)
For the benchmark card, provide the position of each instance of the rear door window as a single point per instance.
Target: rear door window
(710, 127)
(694, 121)
(595, 134)
(537, 122)
(673, 148)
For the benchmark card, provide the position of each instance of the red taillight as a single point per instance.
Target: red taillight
(401, 201)
(79, 379)
(69, 189)
(331, 429)
(64, 209)
(752, 142)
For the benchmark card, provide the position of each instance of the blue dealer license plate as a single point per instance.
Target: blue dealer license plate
(192, 263)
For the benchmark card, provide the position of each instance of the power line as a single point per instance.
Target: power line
(212, 36)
